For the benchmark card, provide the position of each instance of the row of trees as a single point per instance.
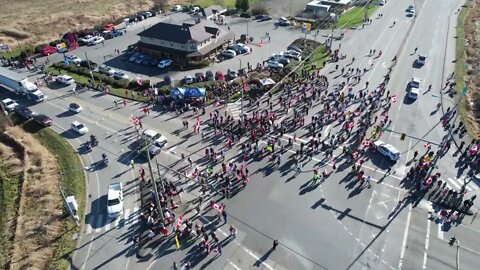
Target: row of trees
(242, 5)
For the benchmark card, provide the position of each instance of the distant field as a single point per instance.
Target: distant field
(41, 21)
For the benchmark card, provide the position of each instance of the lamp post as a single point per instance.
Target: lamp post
(155, 188)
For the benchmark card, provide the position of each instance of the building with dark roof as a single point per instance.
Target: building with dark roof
(184, 42)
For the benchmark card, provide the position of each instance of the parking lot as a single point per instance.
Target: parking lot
(280, 38)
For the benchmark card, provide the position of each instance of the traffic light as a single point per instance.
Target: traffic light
(402, 137)
(452, 241)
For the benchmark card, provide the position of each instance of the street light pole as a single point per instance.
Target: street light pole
(155, 188)
(458, 255)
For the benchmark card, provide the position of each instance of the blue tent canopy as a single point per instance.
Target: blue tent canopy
(177, 92)
(194, 92)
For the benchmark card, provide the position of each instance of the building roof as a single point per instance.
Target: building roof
(335, 2)
(318, 4)
(169, 31)
(212, 10)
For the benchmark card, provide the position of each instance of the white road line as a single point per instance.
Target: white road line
(89, 224)
(135, 215)
(99, 222)
(427, 241)
(107, 227)
(233, 265)
(405, 236)
(117, 223)
(440, 231)
(453, 182)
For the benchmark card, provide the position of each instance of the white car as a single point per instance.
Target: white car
(154, 137)
(9, 105)
(115, 200)
(74, 107)
(275, 64)
(188, 79)
(415, 83)
(387, 150)
(86, 39)
(106, 70)
(294, 54)
(96, 40)
(119, 75)
(65, 79)
(73, 59)
(165, 63)
(79, 127)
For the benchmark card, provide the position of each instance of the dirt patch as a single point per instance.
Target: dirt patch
(42, 21)
(471, 78)
(36, 225)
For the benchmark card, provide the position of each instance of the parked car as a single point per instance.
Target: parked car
(146, 61)
(177, 8)
(9, 105)
(209, 75)
(112, 34)
(147, 14)
(134, 57)
(85, 63)
(140, 18)
(85, 40)
(74, 107)
(219, 76)
(387, 150)
(79, 127)
(118, 75)
(199, 77)
(275, 65)
(188, 79)
(294, 48)
(229, 54)
(65, 79)
(165, 63)
(106, 70)
(73, 59)
(259, 16)
(139, 59)
(43, 120)
(283, 21)
(167, 80)
(96, 40)
(24, 111)
(115, 200)
(280, 58)
(46, 51)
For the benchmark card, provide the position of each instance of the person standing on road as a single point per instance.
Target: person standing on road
(275, 244)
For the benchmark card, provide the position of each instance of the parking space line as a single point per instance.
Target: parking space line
(127, 214)
(405, 236)
(427, 241)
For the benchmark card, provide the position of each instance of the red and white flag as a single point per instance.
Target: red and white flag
(180, 221)
(393, 99)
(426, 145)
(139, 80)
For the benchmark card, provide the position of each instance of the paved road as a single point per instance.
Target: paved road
(334, 225)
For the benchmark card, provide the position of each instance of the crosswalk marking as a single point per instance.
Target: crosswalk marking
(107, 226)
(459, 182)
(99, 223)
(457, 186)
(135, 213)
(117, 223)
(235, 109)
(440, 231)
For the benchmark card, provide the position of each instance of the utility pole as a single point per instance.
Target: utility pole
(89, 69)
(365, 17)
(155, 188)
(70, 210)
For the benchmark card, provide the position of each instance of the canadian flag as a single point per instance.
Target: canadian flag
(245, 87)
(393, 98)
(180, 221)
(139, 80)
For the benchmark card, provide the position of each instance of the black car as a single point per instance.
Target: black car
(24, 112)
(84, 63)
(43, 120)
(265, 18)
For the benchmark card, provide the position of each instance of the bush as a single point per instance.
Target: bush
(258, 9)
(55, 42)
(109, 80)
(99, 77)
(198, 64)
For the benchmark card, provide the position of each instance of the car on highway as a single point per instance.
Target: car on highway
(229, 54)
(96, 40)
(43, 120)
(73, 59)
(387, 150)
(421, 60)
(118, 75)
(115, 200)
(415, 83)
(65, 79)
(413, 93)
(106, 70)
(24, 111)
(188, 79)
(154, 137)
(165, 63)
(9, 105)
(79, 127)
(75, 108)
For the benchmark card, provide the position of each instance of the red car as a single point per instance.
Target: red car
(43, 120)
(109, 27)
(219, 76)
(48, 50)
